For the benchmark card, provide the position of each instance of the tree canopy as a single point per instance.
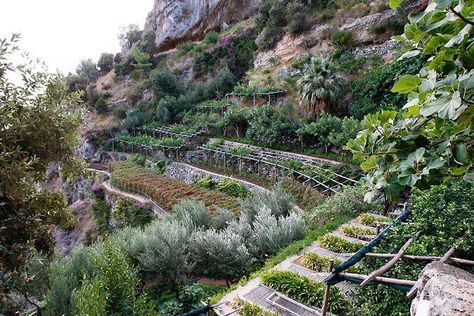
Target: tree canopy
(38, 123)
(431, 138)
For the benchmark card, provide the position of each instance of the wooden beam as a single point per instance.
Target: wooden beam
(421, 258)
(378, 279)
(386, 267)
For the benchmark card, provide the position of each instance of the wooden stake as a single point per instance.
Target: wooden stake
(378, 228)
(326, 291)
(386, 267)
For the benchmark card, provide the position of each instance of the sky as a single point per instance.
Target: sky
(63, 32)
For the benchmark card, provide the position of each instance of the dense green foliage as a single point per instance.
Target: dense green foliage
(304, 290)
(431, 139)
(435, 214)
(38, 124)
(373, 92)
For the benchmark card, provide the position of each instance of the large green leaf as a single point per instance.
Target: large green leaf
(395, 3)
(406, 83)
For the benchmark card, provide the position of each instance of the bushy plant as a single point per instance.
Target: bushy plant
(269, 37)
(193, 213)
(338, 244)
(278, 201)
(211, 37)
(164, 84)
(219, 254)
(270, 234)
(342, 39)
(164, 251)
(101, 105)
(304, 195)
(66, 275)
(350, 201)
(298, 18)
(249, 309)
(320, 263)
(371, 220)
(271, 125)
(206, 183)
(106, 62)
(222, 219)
(101, 213)
(232, 188)
(356, 231)
(134, 213)
(304, 290)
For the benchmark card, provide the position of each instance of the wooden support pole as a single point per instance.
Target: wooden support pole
(448, 254)
(421, 258)
(324, 309)
(386, 267)
(378, 228)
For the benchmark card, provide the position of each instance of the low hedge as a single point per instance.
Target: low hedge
(304, 290)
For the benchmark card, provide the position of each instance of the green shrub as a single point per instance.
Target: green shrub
(170, 142)
(232, 188)
(343, 39)
(320, 263)
(249, 309)
(392, 25)
(356, 232)
(164, 84)
(185, 47)
(101, 106)
(134, 213)
(371, 220)
(305, 290)
(298, 18)
(66, 275)
(106, 62)
(206, 183)
(101, 213)
(211, 37)
(269, 37)
(350, 201)
(373, 92)
(305, 196)
(338, 244)
(91, 299)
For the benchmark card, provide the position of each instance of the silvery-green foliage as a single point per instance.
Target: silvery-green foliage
(130, 239)
(219, 254)
(270, 233)
(242, 228)
(277, 200)
(165, 250)
(193, 213)
(222, 218)
(67, 274)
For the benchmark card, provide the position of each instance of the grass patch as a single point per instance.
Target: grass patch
(338, 244)
(371, 220)
(356, 232)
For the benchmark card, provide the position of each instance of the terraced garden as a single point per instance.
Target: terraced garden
(166, 191)
(296, 287)
(327, 176)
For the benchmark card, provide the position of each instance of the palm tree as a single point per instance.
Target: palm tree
(320, 85)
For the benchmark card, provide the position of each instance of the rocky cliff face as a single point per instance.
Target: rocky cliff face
(177, 20)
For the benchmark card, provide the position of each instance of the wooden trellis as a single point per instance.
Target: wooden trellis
(135, 147)
(300, 176)
(338, 273)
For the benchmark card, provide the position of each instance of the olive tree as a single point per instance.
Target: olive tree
(39, 120)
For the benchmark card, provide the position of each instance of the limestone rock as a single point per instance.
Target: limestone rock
(444, 290)
(176, 20)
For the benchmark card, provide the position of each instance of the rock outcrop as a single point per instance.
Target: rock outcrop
(444, 290)
(174, 21)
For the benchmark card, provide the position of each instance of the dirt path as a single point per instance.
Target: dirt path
(159, 212)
